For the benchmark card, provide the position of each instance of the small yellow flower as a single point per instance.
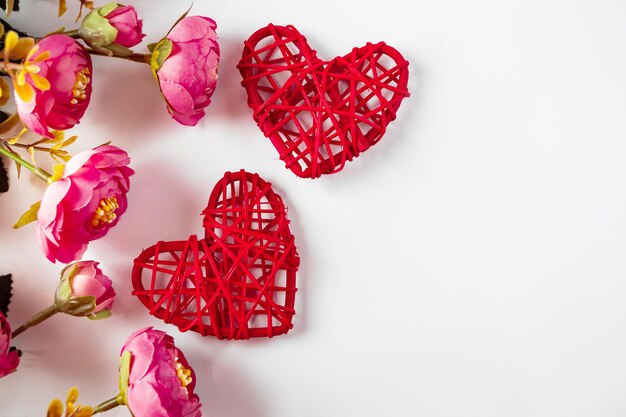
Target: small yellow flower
(55, 409)
(24, 89)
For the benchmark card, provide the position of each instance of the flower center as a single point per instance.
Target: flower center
(184, 374)
(105, 213)
(82, 81)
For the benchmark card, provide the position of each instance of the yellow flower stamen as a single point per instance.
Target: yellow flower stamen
(79, 92)
(184, 374)
(105, 213)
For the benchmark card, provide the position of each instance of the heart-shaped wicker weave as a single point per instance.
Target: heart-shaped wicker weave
(320, 114)
(239, 281)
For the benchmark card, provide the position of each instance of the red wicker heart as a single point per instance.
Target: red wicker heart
(320, 114)
(239, 281)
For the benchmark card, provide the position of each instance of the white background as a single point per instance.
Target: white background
(470, 264)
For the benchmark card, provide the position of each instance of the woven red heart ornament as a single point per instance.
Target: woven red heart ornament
(320, 114)
(239, 281)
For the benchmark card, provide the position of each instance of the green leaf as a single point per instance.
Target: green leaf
(64, 289)
(106, 9)
(69, 271)
(78, 306)
(184, 15)
(28, 217)
(97, 31)
(161, 51)
(100, 315)
(124, 374)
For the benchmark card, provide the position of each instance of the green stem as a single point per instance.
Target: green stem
(36, 319)
(72, 34)
(141, 58)
(44, 175)
(109, 404)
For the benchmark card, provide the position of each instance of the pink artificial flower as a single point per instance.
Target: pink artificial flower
(160, 381)
(129, 27)
(85, 279)
(68, 70)
(84, 204)
(9, 356)
(188, 75)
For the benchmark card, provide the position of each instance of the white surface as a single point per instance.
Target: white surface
(471, 264)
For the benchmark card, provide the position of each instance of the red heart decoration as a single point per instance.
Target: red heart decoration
(320, 114)
(239, 281)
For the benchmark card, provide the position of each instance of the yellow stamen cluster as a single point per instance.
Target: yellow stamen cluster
(184, 374)
(55, 409)
(105, 213)
(80, 86)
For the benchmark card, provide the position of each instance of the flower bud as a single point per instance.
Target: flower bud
(84, 291)
(112, 29)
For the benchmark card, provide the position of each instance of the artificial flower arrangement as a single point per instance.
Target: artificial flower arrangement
(85, 194)
(52, 81)
(318, 115)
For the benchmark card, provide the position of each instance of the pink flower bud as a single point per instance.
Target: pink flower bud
(112, 28)
(85, 279)
(129, 27)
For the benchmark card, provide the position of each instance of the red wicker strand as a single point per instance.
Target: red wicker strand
(319, 114)
(239, 282)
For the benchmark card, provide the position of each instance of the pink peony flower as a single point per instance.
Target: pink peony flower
(112, 28)
(84, 204)
(160, 381)
(68, 70)
(85, 279)
(9, 356)
(185, 64)
(129, 27)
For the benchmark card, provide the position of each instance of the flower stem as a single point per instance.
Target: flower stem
(44, 175)
(44, 314)
(109, 404)
(141, 58)
(72, 34)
